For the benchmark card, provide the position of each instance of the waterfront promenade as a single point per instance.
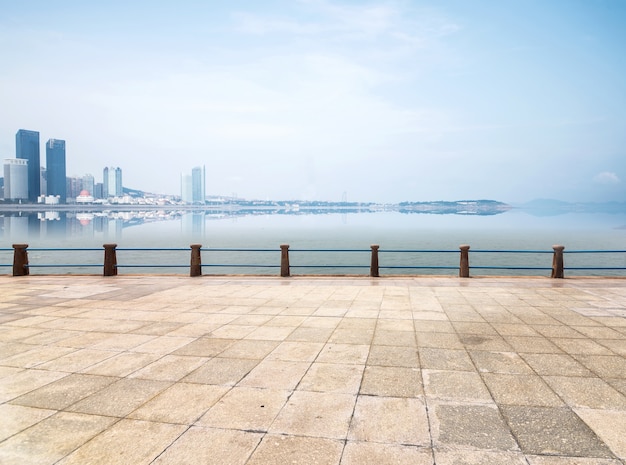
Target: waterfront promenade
(324, 370)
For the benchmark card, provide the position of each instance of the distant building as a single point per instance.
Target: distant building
(112, 182)
(186, 190)
(16, 179)
(192, 188)
(27, 148)
(198, 184)
(98, 190)
(74, 185)
(43, 180)
(89, 183)
(55, 166)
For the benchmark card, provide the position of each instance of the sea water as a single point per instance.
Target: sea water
(345, 237)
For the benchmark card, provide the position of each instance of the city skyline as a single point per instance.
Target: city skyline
(387, 100)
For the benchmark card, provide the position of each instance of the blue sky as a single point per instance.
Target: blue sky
(381, 100)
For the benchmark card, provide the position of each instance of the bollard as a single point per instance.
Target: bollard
(195, 268)
(110, 260)
(374, 272)
(557, 262)
(284, 261)
(464, 264)
(20, 260)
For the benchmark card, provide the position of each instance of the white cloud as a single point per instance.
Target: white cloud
(607, 177)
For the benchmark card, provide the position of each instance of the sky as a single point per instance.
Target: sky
(373, 101)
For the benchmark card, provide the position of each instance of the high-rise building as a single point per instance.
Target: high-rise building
(15, 179)
(27, 148)
(198, 184)
(186, 191)
(112, 182)
(55, 166)
(88, 183)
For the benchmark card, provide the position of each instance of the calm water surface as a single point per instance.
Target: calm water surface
(513, 230)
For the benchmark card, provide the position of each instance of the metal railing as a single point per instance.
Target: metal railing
(110, 266)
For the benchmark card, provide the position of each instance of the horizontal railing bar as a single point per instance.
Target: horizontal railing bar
(594, 251)
(329, 266)
(331, 250)
(510, 251)
(150, 266)
(154, 249)
(209, 249)
(239, 265)
(418, 267)
(594, 268)
(43, 265)
(418, 251)
(50, 249)
(509, 268)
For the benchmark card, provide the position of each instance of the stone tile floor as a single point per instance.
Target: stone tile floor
(240, 370)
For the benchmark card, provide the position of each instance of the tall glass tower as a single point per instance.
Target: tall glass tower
(198, 184)
(55, 165)
(112, 182)
(27, 148)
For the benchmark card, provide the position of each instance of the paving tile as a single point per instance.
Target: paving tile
(478, 457)
(445, 359)
(586, 392)
(246, 408)
(16, 418)
(394, 338)
(169, 368)
(548, 460)
(390, 420)
(163, 345)
(344, 353)
(290, 351)
(181, 403)
(279, 450)
(359, 453)
(500, 362)
(120, 398)
(221, 371)
(332, 377)
(205, 347)
(439, 340)
(553, 431)
(609, 425)
(555, 364)
(461, 386)
(276, 374)
(310, 334)
(25, 381)
(581, 347)
(77, 360)
(128, 441)
(394, 356)
(249, 349)
(36, 356)
(605, 366)
(391, 382)
(316, 414)
(60, 394)
(52, 438)
(520, 390)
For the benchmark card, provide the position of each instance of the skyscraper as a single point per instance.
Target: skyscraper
(112, 182)
(27, 148)
(15, 179)
(198, 184)
(55, 165)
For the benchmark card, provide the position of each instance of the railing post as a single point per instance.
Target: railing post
(464, 264)
(196, 262)
(557, 262)
(284, 261)
(110, 260)
(20, 260)
(374, 272)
